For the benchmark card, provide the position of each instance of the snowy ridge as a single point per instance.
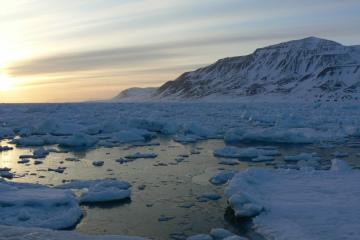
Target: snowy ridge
(309, 69)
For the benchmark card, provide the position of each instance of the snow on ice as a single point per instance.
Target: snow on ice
(100, 190)
(299, 204)
(30, 205)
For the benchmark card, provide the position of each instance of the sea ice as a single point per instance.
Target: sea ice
(30, 233)
(78, 141)
(31, 205)
(98, 163)
(141, 155)
(299, 204)
(100, 190)
(222, 177)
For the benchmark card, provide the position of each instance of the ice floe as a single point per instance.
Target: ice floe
(249, 152)
(141, 155)
(79, 141)
(299, 204)
(222, 177)
(30, 205)
(100, 190)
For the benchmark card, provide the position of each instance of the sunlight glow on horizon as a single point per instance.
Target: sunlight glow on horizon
(62, 51)
(5, 83)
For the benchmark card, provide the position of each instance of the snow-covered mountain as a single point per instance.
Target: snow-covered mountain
(310, 69)
(135, 94)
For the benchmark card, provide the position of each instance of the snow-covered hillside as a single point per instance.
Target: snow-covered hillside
(310, 69)
(134, 94)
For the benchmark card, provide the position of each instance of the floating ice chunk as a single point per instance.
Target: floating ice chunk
(250, 152)
(201, 131)
(98, 163)
(165, 218)
(78, 141)
(32, 205)
(133, 135)
(263, 159)
(72, 159)
(194, 151)
(58, 169)
(222, 177)
(23, 161)
(37, 162)
(100, 190)
(229, 162)
(303, 157)
(40, 153)
(220, 233)
(5, 148)
(124, 160)
(297, 202)
(145, 144)
(5, 173)
(141, 155)
(200, 237)
(188, 138)
(100, 193)
(209, 196)
(244, 206)
(235, 152)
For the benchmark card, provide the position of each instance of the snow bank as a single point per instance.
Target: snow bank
(30, 205)
(100, 190)
(299, 204)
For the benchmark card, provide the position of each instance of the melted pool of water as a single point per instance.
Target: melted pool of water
(162, 188)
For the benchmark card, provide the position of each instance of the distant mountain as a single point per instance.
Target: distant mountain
(135, 94)
(310, 69)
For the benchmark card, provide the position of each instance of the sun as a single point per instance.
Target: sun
(6, 83)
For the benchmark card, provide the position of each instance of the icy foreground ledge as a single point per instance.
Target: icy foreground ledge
(30, 205)
(299, 204)
(20, 233)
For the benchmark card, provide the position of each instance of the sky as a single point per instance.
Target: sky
(76, 50)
